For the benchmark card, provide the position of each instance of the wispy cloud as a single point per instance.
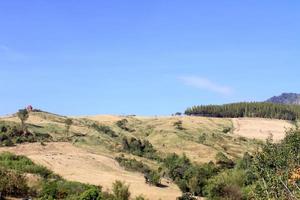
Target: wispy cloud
(206, 84)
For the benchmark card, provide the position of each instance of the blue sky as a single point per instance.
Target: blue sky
(145, 57)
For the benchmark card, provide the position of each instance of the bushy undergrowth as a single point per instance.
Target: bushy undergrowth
(13, 183)
(140, 148)
(61, 189)
(151, 177)
(11, 135)
(123, 124)
(22, 164)
(104, 129)
(133, 164)
(189, 177)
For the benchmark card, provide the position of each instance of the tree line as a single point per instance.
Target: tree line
(247, 109)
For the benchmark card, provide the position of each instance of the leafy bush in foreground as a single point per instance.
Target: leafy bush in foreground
(61, 189)
(22, 164)
(120, 191)
(277, 168)
(91, 194)
(12, 183)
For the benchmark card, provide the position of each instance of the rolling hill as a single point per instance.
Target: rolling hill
(87, 152)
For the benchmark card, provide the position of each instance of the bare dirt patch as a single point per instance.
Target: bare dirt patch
(77, 164)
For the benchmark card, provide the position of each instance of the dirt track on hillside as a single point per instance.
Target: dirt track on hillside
(80, 165)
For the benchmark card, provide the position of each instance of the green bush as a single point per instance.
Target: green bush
(61, 189)
(276, 165)
(186, 196)
(133, 165)
(138, 147)
(226, 130)
(123, 124)
(22, 164)
(12, 184)
(189, 177)
(120, 191)
(152, 178)
(91, 194)
(223, 161)
(178, 125)
(11, 135)
(104, 129)
(227, 185)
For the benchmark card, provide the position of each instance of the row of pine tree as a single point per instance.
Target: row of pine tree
(247, 109)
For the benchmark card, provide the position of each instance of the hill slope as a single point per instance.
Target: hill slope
(87, 152)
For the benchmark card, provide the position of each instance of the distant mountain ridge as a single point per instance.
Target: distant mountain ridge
(286, 98)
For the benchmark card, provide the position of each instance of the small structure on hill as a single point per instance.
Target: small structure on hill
(29, 108)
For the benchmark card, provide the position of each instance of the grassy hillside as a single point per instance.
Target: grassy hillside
(150, 140)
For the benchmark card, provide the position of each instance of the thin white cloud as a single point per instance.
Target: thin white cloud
(206, 84)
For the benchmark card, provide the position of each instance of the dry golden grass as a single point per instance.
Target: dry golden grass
(80, 165)
(261, 128)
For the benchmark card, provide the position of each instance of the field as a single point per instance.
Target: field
(261, 128)
(88, 155)
(80, 165)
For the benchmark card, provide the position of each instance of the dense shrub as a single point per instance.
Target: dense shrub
(138, 147)
(12, 184)
(91, 194)
(123, 124)
(120, 191)
(277, 167)
(152, 178)
(226, 130)
(61, 189)
(223, 161)
(11, 135)
(22, 164)
(104, 129)
(186, 196)
(189, 177)
(226, 185)
(178, 125)
(133, 165)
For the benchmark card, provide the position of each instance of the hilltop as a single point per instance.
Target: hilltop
(286, 98)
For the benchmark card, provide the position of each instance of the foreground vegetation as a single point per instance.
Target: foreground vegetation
(272, 173)
(16, 172)
(256, 109)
